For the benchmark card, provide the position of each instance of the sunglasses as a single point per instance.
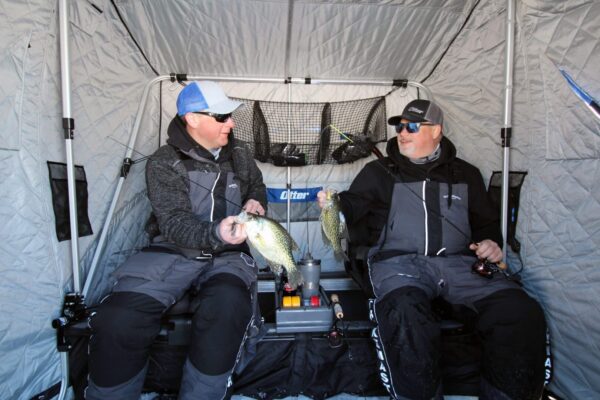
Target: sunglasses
(411, 127)
(218, 117)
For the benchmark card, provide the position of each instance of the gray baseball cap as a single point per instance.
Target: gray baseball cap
(420, 111)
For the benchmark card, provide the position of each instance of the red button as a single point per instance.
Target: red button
(315, 301)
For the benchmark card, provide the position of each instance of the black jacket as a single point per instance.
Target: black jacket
(366, 203)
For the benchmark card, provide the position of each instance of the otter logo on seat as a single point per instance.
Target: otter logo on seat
(301, 195)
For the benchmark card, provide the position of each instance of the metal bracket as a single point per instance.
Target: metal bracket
(74, 309)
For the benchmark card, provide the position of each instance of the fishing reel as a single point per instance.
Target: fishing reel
(335, 337)
(287, 155)
(486, 269)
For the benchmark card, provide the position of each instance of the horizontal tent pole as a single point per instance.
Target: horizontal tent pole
(310, 81)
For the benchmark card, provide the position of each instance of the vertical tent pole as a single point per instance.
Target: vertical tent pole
(288, 183)
(68, 126)
(507, 127)
(288, 38)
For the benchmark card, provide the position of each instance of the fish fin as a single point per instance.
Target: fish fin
(325, 238)
(276, 268)
(340, 254)
(295, 278)
(343, 227)
(260, 239)
(342, 219)
(294, 244)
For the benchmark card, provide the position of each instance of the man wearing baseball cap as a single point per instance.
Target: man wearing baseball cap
(428, 221)
(196, 184)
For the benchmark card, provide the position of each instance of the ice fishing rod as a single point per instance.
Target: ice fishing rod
(128, 163)
(380, 156)
(483, 268)
(589, 101)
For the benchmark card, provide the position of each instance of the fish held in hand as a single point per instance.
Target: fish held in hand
(274, 243)
(333, 223)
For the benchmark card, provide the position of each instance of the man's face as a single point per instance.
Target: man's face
(207, 131)
(421, 143)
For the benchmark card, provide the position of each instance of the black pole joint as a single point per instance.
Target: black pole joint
(288, 80)
(403, 83)
(127, 163)
(307, 81)
(68, 126)
(505, 134)
(178, 77)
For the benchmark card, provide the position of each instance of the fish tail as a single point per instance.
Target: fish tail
(342, 254)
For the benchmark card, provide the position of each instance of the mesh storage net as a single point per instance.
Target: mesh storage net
(294, 134)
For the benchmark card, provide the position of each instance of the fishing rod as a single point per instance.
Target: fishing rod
(483, 267)
(144, 157)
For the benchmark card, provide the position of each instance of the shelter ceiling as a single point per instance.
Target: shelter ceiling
(318, 39)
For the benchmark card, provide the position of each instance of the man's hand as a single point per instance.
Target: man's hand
(487, 249)
(231, 232)
(321, 198)
(253, 207)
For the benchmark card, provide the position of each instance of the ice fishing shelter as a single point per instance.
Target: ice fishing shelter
(456, 49)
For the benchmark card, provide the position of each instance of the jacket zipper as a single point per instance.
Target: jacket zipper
(212, 196)
(426, 224)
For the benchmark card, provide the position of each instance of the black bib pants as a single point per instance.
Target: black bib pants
(407, 273)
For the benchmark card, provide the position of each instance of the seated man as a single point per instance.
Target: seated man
(196, 184)
(429, 220)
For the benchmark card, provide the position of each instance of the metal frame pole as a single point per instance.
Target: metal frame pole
(288, 183)
(68, 126)
(507, 126)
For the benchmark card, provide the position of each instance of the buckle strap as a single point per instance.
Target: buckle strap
(204, 255)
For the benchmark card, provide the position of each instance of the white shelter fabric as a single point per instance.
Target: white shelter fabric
(555, 137)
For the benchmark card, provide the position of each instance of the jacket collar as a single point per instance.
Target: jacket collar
(448, 153)
(180, 139)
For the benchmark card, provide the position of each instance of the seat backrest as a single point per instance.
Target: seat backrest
(356, 267)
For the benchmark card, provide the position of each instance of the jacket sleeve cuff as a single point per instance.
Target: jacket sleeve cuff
(216, 239)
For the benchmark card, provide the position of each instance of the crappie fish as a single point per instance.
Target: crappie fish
(274, 243)
(333, 223)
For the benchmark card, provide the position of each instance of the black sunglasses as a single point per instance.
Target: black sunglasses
(411, 127)
(218, 117)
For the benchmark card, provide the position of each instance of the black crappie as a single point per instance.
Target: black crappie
(333, 223)
(274, 243)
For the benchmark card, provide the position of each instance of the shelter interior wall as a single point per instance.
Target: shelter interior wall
(107, 77)
(555, 138)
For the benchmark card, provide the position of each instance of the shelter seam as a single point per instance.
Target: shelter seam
(133, 38)
(451, 42)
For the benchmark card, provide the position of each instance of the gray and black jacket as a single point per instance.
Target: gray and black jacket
(428, 193)
(169, 171)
